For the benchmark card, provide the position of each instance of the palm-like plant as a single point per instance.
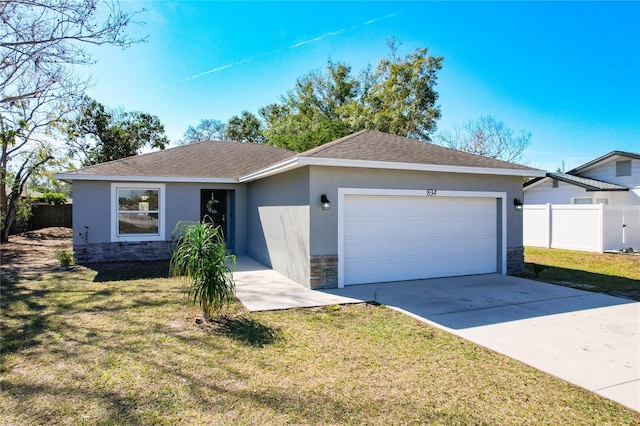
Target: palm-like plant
(200, 255)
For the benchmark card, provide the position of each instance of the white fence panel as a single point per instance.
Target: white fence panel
(576, 227)
(536, 230)
(593, 228)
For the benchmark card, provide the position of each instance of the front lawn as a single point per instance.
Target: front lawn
(616, 274)
(110, 347)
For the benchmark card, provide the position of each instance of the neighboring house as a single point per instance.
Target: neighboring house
(368, 207)
(612, 179)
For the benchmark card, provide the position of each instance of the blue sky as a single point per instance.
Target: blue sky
(569, 72)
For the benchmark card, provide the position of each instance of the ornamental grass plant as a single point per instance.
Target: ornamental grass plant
(200, 256)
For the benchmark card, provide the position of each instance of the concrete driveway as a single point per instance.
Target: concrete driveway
(588, 339)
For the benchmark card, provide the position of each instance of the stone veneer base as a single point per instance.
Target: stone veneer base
(122, 251)
(515, 260)
(324, 272)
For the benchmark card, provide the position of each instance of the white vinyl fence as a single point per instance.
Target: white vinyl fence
(593, 227)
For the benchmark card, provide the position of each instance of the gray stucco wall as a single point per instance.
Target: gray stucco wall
(278, 223)
(92, 208)
(327, 180)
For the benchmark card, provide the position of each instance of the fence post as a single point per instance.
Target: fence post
(549, 235)
(601, 225)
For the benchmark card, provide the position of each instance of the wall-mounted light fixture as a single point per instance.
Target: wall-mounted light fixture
(326, 204)
(517, 203)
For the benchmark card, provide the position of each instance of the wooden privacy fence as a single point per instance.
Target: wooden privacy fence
(592, 227)
(45, 216)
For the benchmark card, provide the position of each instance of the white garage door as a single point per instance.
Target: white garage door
(394, 238)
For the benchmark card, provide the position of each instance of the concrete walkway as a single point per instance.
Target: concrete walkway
(262, 289)
(588, 339)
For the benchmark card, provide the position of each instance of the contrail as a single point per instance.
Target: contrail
(293, 46)
(313, 40)
(211, 71)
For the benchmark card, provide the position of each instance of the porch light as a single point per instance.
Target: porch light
(326, 204)
(517, 203)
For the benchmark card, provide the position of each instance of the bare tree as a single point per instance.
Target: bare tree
(487, 137)
(206, 130)
(40, 43)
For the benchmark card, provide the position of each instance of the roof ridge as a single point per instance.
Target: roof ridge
(328, 145)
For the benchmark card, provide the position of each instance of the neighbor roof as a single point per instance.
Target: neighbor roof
(605, 157)
(587, 183)
(205, 160)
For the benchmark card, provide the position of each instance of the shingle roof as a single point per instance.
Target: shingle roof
(233, 160)
(372, 145)
(197, 160)
(620, 154)
(587, 183)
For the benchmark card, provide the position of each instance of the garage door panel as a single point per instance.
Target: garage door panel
(417, 245)
(392, 238)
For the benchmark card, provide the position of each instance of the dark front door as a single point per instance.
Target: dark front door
(213, 208)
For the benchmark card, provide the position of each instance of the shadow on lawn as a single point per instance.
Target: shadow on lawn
(246, 330)
(599, 283)
(126, 271)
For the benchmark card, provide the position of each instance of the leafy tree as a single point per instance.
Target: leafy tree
(245, 128)
(489, 137)
(206, 130)
(310, 114)
(40, 42)
(397, 97)
(402, 99)
(99, 135)
(200, 255)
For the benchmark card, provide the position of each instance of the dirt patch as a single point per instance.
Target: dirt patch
(34, 251)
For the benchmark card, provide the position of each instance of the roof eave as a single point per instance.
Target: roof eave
(281, 167)
(333, 162)
(69, 177)
(606, 190)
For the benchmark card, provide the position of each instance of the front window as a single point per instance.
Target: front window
(138, 212)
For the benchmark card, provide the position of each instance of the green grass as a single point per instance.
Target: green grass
(604, 273)
(89, 347)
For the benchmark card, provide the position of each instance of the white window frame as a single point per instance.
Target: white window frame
(160, 236)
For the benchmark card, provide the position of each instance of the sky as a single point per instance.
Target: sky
(568, 72)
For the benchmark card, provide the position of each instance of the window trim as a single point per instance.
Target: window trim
(160, 236)
(594, 200)
(573, 200)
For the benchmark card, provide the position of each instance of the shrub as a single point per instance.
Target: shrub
(24, 213)
(200, 255)
(56, 198)
(65, 258)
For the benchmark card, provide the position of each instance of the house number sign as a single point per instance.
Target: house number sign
(432, 192)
